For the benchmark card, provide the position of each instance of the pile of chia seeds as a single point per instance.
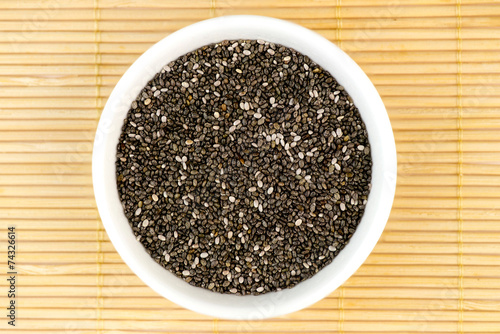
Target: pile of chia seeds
(243, 167)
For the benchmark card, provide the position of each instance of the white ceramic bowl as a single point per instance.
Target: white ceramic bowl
(347, 73)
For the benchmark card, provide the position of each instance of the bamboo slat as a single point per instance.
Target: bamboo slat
(54, 259)
(152, 303)
(435, 64)
(363, 57)
(393, 225)
(389, 236)
(306, 315)
(33, 4)
(153, 36)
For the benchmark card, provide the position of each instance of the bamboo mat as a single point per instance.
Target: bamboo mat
(436, 65)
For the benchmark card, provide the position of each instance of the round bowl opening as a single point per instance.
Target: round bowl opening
(346, 72)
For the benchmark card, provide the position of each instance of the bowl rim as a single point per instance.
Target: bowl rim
(378, 207)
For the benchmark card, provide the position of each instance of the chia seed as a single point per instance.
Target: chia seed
(243, 167)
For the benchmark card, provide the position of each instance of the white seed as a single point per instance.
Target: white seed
(270, 190)
(247, 52)
(257, 115)
(189, 142)
(204, 255)
(342, 206)
(301, 155)
(185, 84)
(232, 199)
(186, 273)
(260, 184)
(145, 223)
(361, 147)
(138, 211)
(167, 257)
(268, 247)
(272, 100)
(270, 51)
(216, 114)
(161, 237)
(298, 222)
(164, 119)
(298, 171)
(332, 249)
(255, 203)
(297, 138)
(229, 234)
(147, 102)
(155, 197)
(252, 189)
(260, 289)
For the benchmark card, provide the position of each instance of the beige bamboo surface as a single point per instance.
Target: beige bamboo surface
(436, 64)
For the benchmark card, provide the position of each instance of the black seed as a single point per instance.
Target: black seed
(243, 167)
